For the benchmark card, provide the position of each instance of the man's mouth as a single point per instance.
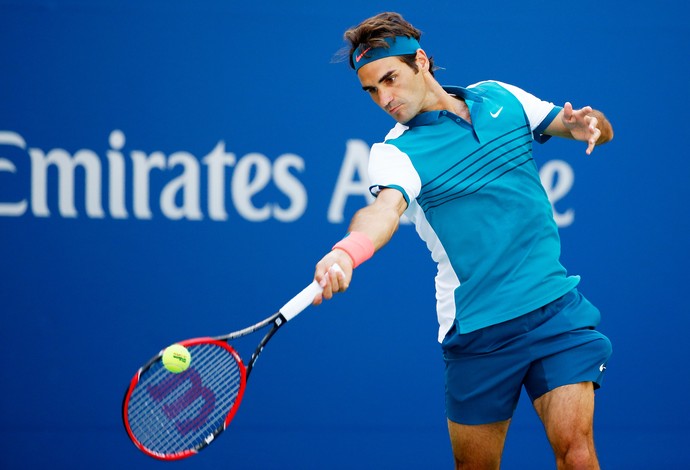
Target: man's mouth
(394, 109)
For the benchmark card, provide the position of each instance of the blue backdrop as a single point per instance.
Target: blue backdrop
(172, 169)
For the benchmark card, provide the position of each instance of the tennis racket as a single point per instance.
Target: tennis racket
(173, 416)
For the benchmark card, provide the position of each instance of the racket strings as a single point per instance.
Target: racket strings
(172, 413)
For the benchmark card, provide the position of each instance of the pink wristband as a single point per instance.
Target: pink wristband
(358, 246)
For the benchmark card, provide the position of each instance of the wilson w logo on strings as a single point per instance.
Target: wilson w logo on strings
(182, 394)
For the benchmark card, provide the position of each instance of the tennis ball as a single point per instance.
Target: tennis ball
(176, 358)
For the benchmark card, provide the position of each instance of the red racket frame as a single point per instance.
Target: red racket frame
(231, 413)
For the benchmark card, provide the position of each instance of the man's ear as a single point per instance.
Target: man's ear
(422, 60)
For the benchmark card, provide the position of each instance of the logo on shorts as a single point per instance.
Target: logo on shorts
(602, 368)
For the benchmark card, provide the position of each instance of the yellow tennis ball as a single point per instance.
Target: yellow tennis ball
(176, 358)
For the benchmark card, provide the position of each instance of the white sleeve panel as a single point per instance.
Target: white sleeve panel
(391, 168)
(535, 109)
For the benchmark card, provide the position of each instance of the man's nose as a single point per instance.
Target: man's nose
(385, 98)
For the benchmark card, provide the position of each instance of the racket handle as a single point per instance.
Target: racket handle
(298, 303)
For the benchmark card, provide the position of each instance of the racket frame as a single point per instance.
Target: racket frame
(290, 310)
(218, 341)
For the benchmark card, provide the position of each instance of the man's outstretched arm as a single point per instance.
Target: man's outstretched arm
(586, 125)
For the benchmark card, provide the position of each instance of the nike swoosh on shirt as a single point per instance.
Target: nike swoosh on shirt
(495, 115)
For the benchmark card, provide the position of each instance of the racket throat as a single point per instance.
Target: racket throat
(277, 323)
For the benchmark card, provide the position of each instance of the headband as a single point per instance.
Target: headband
(399, 45)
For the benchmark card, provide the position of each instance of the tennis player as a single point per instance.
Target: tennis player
(459, 164)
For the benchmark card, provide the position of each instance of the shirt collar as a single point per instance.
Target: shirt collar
(423, 119)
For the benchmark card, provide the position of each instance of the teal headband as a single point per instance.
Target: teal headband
(399, 45)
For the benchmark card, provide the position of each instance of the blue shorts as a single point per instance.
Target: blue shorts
(552, 346)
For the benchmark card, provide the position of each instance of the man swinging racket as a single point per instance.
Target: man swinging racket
(459, 164)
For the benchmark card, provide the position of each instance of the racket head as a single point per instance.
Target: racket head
(172, 416)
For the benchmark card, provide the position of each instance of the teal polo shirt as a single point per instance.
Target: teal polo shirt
(475, 197)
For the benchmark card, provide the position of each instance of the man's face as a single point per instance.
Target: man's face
(394, 86)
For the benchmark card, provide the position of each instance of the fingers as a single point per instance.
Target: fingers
(331, 279)
(567, 111)
(594, 137)
(594, 132)
(582, 125)
(571, 115)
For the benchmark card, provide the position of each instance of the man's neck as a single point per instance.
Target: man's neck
(460, 108)
(441, 100)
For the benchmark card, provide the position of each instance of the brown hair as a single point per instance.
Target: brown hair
(372, 31)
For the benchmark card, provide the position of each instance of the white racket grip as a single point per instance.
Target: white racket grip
(298, 303)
